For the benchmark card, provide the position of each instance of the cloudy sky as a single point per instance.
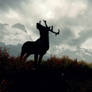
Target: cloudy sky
(18, 20)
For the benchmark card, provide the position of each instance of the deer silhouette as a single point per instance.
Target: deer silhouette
(40, 46)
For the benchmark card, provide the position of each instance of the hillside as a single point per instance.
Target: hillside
(55, 74)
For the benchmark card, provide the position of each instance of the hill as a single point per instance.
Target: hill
(56, 74)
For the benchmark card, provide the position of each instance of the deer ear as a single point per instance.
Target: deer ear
(40, 21)
(44, 21)
(49, 27)
(52, 27)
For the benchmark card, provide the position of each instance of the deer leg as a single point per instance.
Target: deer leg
(26, 56)
(22, 55)
(40, 59)
(35, 59)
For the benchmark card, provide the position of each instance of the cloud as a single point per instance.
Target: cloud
(14, 4)
(65, 36)
(3, 31)
(9, 35)
(19, 26)
(87, 44)
(55, 10)
(83, 36)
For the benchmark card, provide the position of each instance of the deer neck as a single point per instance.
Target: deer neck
(45, 39)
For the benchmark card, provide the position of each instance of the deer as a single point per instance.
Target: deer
(40, 46)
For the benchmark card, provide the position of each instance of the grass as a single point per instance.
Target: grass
(56, 74)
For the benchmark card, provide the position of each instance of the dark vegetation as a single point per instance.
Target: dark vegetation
(55, 74)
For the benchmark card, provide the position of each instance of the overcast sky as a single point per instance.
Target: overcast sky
(18, 20)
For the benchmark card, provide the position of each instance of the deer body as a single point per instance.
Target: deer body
(38, 47)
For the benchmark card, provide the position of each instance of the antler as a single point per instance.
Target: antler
(45, 23)
(51, 28)
(56, 33)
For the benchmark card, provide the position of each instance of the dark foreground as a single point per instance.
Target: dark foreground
(47, 79)
(55, 74)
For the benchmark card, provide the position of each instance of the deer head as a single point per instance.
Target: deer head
(51, 28)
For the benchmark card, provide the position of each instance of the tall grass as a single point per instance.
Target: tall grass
(71, 68)
(10, 62)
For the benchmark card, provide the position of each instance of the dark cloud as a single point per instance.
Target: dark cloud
(3, 30)
(2, 26)
(19, 26)
(82, 38)
(89, 1)
(65, 36)
(14, 4)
